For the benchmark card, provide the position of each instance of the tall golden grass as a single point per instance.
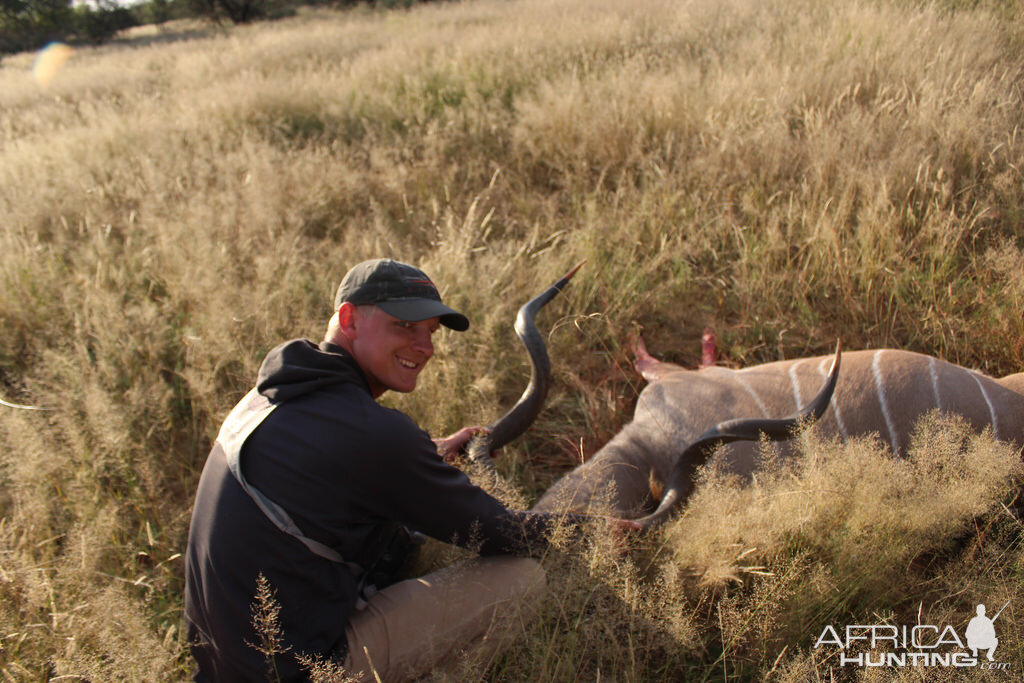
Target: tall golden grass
(789, 171)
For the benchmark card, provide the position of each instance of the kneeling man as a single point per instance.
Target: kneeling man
(313, 488)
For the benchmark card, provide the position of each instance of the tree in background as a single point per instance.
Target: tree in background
(238, 11)
(100, 23)
(30, 24)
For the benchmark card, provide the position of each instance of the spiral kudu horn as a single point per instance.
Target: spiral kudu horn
(525, 411)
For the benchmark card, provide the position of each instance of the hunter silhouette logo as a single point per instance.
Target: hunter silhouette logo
(981, 632)
(878, 645)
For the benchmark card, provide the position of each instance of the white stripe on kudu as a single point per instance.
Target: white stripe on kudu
(823, 368)
(796, 384)
(988, 402)
(883, 403)
(935, 382)
(753, 394)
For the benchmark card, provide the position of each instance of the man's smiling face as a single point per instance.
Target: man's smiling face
(390, 351)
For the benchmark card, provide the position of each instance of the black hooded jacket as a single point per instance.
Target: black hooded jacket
(351, 473)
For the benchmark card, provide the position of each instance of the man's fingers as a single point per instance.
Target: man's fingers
(450, 446)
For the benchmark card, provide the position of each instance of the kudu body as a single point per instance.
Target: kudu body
(880, 391)
(671, 453)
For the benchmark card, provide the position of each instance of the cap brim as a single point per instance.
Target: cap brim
(415, 310)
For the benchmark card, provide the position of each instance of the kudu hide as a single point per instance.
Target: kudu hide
(882, 392)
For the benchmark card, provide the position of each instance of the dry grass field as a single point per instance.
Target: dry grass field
(178, 202)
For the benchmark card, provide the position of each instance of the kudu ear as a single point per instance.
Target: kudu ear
(525, 411)
(680, 482)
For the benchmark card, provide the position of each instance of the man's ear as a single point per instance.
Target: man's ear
(346, 315)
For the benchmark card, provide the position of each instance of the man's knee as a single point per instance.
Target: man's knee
(525, 573)
(469, 606)
(518, 581)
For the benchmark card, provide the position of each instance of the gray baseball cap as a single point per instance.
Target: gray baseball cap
(398, 289)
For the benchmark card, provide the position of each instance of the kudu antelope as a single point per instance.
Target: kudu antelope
(883, 391)
(671, 434)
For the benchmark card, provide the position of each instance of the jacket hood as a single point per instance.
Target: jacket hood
(300, 367)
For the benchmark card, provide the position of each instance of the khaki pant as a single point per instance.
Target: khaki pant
(419, 625)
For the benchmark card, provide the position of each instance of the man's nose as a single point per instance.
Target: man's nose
(423, 343)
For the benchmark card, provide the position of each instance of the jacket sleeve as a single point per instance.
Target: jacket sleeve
(413, 485)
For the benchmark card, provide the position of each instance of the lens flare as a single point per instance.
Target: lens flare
(49, 61)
